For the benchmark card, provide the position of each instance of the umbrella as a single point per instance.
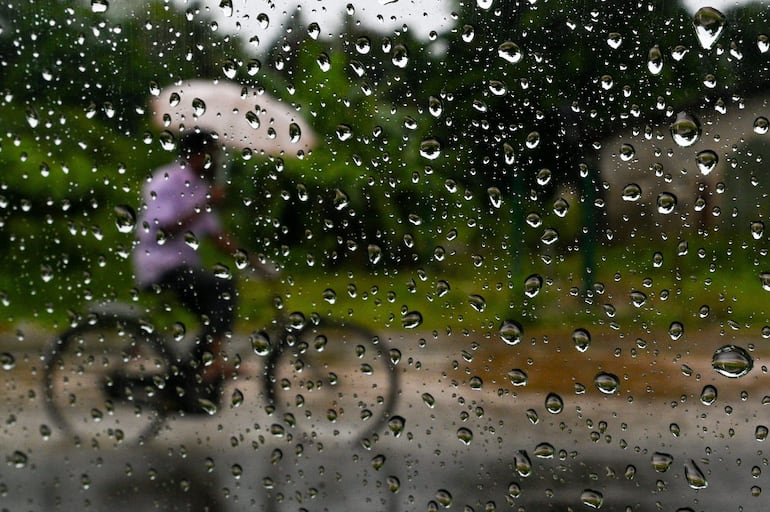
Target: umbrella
(243, 117)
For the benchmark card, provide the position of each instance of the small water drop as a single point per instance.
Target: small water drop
(198, 106)
(592, 499)
(676, 330)
(685, 130)
(707, 161)
(477, 302)
(314, 30)
(761, 125)
(607, 383)
(260, 343)
(655, 60)
(544, 451)
(378, 461)
(708, 394)
(396, 425)
(666, 203)
(125, 218)
(430, 149)
(495, 196)
(464, 435)
(518, 377)
(632, 192)
(760, 433)
(661, 461)
(532, 285)
(694, 476)
(411, 320)
(709, 24)
(99, 6)
(511, 332)
(732, 361)
(614, 40)
(324, 62)
(510, 52)
(554, 403)
(522, 463)
(582, 339)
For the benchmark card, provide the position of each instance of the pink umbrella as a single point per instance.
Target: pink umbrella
(243, 117)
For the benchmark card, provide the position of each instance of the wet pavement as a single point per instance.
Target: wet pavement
(485, 444)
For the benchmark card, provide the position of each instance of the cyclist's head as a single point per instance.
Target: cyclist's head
(200, 148)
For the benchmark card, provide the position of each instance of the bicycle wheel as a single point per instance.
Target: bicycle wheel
(332, 380)
(104, 380)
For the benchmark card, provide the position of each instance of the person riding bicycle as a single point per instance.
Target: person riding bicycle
(178, 211)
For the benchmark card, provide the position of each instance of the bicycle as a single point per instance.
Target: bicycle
(112, 375)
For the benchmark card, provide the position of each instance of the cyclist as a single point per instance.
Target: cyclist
(178, 211)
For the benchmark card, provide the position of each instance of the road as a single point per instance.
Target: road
(644, 447)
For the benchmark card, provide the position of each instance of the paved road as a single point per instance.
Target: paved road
(600, 450)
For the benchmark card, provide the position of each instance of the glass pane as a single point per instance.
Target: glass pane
(488, 255)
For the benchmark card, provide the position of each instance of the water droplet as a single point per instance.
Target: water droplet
(533, 139)
(561, 207)
(553, 403)
(511, 332)
(607, 383)
(550, 236)
(99, 6)
(655, 60)
(430, 149)
(411, 320)
(638, 298)
(666, 203)
(7, 361)
(495, 196)
(708, 394)
(263, 20)
(709, 24)
(614, 40)
(532, 416)
(475, 382)
(592, 499)
(695, 477)
(732, 361)
(199, 107)
(544, 451)
(685, 130)
(761, 125)
(764, 278)
(675, 330)
(314, 30)
(632, 192)
(582, 339)
(508, 154)
(518, 377)
(468, 33)
(375, 253)
(477, 302)
(522, 463)
(510, 51)
(400, 56)
(532, 285)
(444, 498)
(428, 400)
(125, 218)
(396, 425)
(763, 43)
(394, 484)
(661, 461)
(464, 435)
(442, 288)
(378, 461)
(674, 429)
(324, 62)
(707, 161)
(236, 399)
(260, 343)
(497, 88)
(760, 433)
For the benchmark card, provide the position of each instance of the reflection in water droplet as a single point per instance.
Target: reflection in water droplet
(544, 451)
(592, 499)
(411, 320)
(709, 24)
(760, 433)
(444, 498)
(522, 463)
(518, 377)
(477, 302)
(396, 425)
(707, 161)
(510, 51)
(125, 218)
(761, 125)
(708, 395)
(655, 60)
(685, 130)
(632, 192)
(638, 298)
(430, 149)
(464, 435)
(378, 461)
(553, 403)
(607, 383)
(676, 330)
(661, 461)
(582, 339)
(532, 285)
(495, 196)
(99, 6)
(428, 400)
(763, 43)
(764, 278)
(666, 203)
(511, 332)
(695, 477)
(732, 361)
(7, 361)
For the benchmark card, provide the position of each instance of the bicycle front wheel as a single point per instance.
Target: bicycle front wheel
(104, 378)
(333, 380)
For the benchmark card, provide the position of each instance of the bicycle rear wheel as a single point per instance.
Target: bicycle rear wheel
(332, 380)
(104, 380)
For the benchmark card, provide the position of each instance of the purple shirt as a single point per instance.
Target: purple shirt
(172, 194)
